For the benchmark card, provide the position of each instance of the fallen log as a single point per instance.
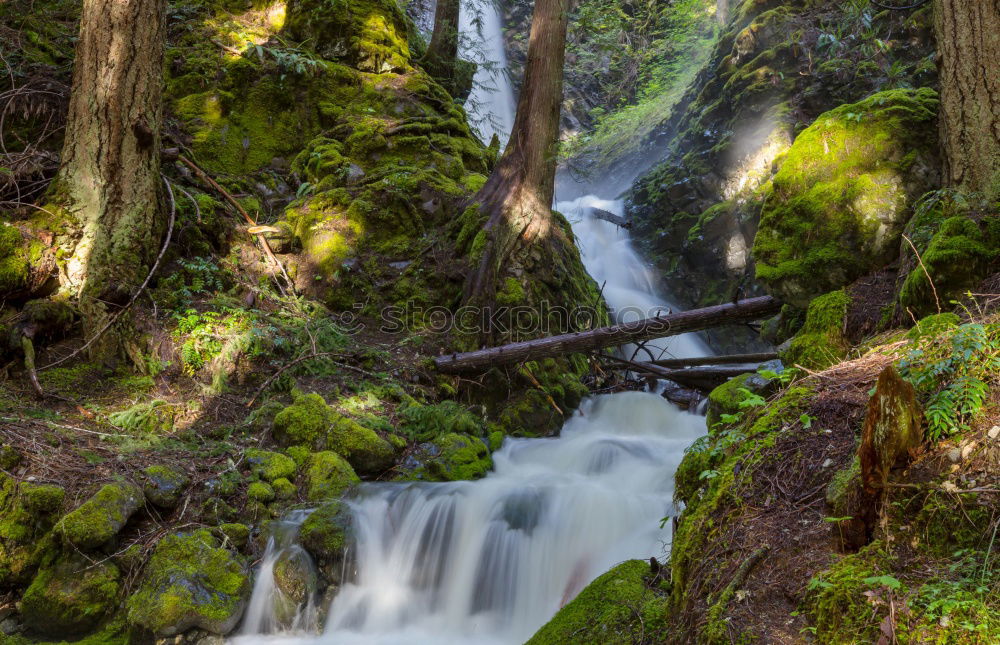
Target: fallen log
(703, 378)
(608, 216)
(727, 359)
(620, 334)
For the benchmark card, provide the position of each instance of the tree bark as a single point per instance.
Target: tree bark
(631, 332)
(109, 180)
(968, 40)
(442, 52)
(517, 198)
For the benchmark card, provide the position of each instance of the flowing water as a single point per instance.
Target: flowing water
(490, 561)
(491, 103)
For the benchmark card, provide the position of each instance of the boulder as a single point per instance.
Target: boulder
(164, 486)
(71, 596)
(296, 582)
(822, 341)
(327, 476)
(325, 534)
(28, 512)
(190, 581)
(101, 517)
(270, 466)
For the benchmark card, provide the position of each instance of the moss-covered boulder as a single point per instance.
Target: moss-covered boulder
(327, 476)
(163, 485)
(189, 582)
(726, 398)
(821, 341)
(72, 596)
(260, 492)
(455, 457)
(844, 191)
(961, 252)
(620, 606)
(270, 466)
(310, 421)
(27, 512)
(370, 35)
(296, 583)
(100, 518)
(325, 534)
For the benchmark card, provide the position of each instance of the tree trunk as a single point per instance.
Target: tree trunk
(517, 198)
(443, 49)
(109, 180)
(968, 40)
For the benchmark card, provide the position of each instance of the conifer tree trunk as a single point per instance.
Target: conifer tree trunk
(517, 198)
(109, 180)
(968, 40)
(442, 53)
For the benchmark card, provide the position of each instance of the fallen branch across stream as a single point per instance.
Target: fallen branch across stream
(595, 339)
(703, 378)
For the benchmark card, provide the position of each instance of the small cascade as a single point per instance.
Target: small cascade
(284, 594)
(491, 103)
(490, 561)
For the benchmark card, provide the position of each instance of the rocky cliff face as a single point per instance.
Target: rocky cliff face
(776, 67)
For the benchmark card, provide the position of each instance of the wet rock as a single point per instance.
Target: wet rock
(296, 580)
(270, 466)
(164, 486)
(328, 475)
(100, 518)
(190, 581)
(70, 597)
(326, 534)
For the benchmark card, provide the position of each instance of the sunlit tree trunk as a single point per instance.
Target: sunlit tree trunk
(517, 198)
(968, 39)
(109, 180)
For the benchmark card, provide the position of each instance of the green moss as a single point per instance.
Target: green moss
(99, 518)
(837, 600)
(270, 465)
(459, 457)
(933, 325)
(235, 534)
(27, 512)
(14, 267)
(512, 293)
(42, 499)
(426, 422)
(619, 606)
(821, 341)
(305, 422)
(71, 596)
(327, 476)
(941, 528)
(190, 581)
(260, 492)
(164, 485)
(960, 254)
(362, 447)
(146, 418)
(726, 398)
(283, 489)
(326, 532)
(837, 205)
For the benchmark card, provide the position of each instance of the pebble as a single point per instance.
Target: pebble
(827, 463)
(955, 455)
(967, 449)
(994, 432)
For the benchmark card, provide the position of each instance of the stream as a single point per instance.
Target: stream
(491, 561)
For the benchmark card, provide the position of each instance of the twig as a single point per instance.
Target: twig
(931, 282)
(138, 292)
(548, 397)
(287, 366)
(29, 364)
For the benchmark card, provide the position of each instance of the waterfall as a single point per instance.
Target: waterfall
(491, 103)
(490, 561)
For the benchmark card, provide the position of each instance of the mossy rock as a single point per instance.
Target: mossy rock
(459, 457)
(619, 606)
(15, 270)
(260, 492)
(270, 466)
(237, 534)
(726, 398)
(284, 489)
(370, 35)
(164, 486)
(838, 204)
(960, 254)
(100, 518)
(305, 422)
(296, 582)
(190, 582)
(367, 452)
(72, 596)
(821, 342)
(328, 476)
(933, 325)
(27, 513)
(326, 534)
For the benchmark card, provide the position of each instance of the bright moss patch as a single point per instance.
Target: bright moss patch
(270, 465)
(99, 518)
(260, 492)
(305, 422)
(459, 457)
(837, 205)
(821, 341)
(619, 606)
(71, 596)
(190, 581)
(959, 255)
(838, 602)
(327, 476)
(933, 325)
(27, 512)
(326, 532)
(14, 267)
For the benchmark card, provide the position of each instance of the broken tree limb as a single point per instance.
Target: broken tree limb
(608, 216)
(703, 378)
(595, 339)
(728, 359)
